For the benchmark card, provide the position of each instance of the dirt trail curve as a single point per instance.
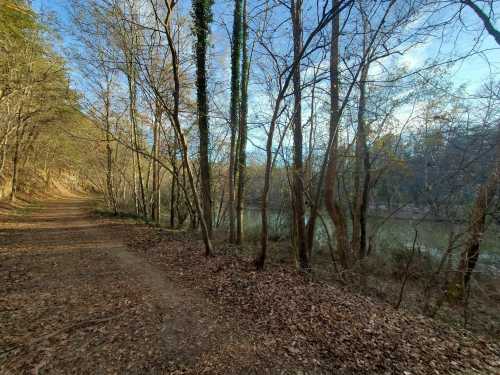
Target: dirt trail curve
(75, 300)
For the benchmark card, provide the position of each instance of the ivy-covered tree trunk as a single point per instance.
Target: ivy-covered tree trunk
(170, 4)
(242, 134)
(234, 111)
(202, 16)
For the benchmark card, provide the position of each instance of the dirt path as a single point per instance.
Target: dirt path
(75, 300)
(85, 295)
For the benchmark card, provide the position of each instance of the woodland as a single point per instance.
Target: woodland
(310, 167)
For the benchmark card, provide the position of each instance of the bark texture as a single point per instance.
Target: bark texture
(202, 18)
(234, 112)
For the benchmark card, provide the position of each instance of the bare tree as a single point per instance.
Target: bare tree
(298, 164)
(234, 115)
(242, 130)
(174, 115)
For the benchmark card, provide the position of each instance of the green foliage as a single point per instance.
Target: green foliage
(38, 109)
(16, 19)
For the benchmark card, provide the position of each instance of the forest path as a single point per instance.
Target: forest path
(80, 294)
(74, 299)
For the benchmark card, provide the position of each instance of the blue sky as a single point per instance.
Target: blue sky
(472, 71)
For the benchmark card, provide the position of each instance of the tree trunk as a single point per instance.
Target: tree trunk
(309, 175)
(109, 176)
(259, 261)
(235, 106)
(333, 207)
(109, 158)
(3, 153)
(361, 174)
(173, 200)
(20, 130)
(155, 207)
(15, 159)
(135, 139)
(242, 136)
(477, 226)
(178, 129)
(134, 179)
(129, 49)
(202, 18)
(298, 164)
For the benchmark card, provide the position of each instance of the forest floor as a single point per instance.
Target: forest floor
(92, 295)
